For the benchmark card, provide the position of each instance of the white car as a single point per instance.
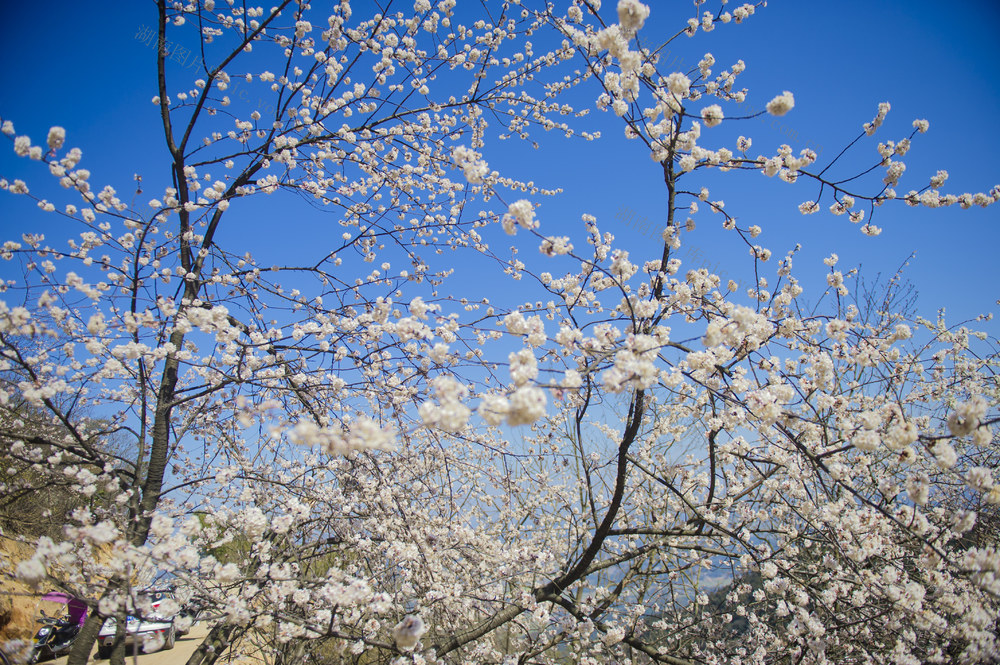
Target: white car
(152, 630)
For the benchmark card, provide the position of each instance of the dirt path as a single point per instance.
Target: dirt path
(182, 650)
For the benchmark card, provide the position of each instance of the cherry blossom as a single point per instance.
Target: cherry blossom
(365, 455)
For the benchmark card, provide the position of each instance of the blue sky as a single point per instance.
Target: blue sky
(87, 71)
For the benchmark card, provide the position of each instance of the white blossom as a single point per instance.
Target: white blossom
(407, 633)
(781, 104)
(56, 137)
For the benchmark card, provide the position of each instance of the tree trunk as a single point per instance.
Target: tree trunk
(85, 639)
(213, 646)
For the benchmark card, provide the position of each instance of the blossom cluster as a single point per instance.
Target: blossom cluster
(362, 456)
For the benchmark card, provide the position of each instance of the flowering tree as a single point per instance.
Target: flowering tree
(354, 457)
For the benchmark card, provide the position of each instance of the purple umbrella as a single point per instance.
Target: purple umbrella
(77, 608)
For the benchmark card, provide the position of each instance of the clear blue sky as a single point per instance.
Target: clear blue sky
(67, 64)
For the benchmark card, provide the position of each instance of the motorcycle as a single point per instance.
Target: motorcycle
(53, 639)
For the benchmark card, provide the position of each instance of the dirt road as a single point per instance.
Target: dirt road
(182, 650)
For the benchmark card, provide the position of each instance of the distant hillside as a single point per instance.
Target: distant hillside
(19, 604)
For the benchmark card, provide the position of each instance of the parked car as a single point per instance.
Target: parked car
(139, 629)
